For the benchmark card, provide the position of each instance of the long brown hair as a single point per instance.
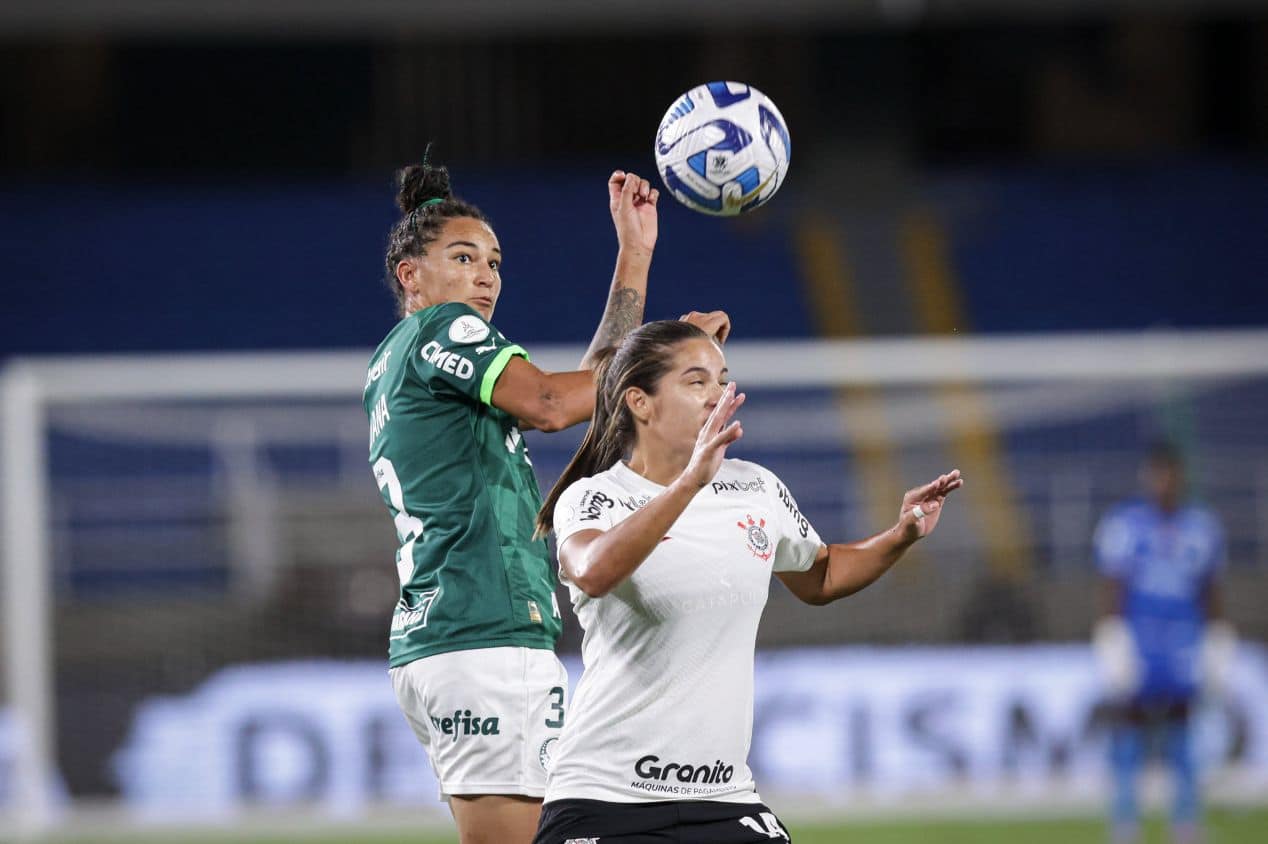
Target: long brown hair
(642, 359)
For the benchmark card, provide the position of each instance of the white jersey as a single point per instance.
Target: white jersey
(664, 707)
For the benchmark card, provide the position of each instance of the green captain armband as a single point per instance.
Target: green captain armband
(494, 371)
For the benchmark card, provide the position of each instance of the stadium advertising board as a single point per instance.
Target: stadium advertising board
(832, 724)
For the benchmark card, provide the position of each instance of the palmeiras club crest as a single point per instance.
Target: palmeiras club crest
(544, 753)
(758, 542)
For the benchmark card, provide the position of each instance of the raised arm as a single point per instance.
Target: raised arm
(843, 569)
(552, 401)
(632, 201)
(598, 561)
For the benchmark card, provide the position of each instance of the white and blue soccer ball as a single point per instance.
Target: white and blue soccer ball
(723, 148)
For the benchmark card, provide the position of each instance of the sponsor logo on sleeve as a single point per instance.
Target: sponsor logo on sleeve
(593, 503)
(803, 526)
(634, 502)
(758, 484)
(451, 362)
(468, 329)
(759, 544)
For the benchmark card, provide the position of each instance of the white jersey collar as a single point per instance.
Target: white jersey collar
(625, 475)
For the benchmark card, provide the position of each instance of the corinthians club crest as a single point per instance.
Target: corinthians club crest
(759, 544)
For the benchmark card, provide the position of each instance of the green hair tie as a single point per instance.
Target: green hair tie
(413, 215)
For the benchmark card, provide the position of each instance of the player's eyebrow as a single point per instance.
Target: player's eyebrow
(692, 369)
(471, 245)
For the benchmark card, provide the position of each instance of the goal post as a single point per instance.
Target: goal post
(914, 369)
(27, 601)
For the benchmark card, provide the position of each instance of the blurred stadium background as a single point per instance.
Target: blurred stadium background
(1023, 238)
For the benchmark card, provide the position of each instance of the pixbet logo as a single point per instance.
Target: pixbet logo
(755, 485)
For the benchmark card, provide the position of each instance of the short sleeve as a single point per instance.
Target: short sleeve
(1112, 544)
(799, 542)
(585, 505)
(458, 352)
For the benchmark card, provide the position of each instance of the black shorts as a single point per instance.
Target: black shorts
(668, 822)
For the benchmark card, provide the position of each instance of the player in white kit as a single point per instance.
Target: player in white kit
(667, 548)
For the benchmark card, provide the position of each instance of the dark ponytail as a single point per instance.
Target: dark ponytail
(426, 201)
(642, 360)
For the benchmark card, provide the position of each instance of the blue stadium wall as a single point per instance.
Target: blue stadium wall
(93, 269)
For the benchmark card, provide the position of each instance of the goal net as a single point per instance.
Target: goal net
(199, 573)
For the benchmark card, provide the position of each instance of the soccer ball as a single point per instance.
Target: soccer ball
(723, 148)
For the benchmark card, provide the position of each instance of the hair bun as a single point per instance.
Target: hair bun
(418, 183)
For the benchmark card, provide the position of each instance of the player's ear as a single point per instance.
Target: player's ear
(638, 403)
(407, 275)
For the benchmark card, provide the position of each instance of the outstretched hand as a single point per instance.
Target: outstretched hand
(714, 437)
(922, 506)
(632, 201)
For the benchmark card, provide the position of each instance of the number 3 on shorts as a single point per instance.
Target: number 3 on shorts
(557, 706)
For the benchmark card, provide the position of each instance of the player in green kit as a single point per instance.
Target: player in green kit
(471, 645)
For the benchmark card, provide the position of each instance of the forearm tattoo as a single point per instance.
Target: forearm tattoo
(623, 314)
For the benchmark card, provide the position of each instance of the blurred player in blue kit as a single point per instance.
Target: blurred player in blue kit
(1161, 642)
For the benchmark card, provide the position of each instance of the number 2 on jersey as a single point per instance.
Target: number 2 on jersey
(408, 528)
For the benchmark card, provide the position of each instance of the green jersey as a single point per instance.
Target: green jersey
(455, 473)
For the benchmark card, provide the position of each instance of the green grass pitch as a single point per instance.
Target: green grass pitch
(1228, 826)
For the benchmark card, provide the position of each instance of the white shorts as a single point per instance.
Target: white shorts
(488, 718)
